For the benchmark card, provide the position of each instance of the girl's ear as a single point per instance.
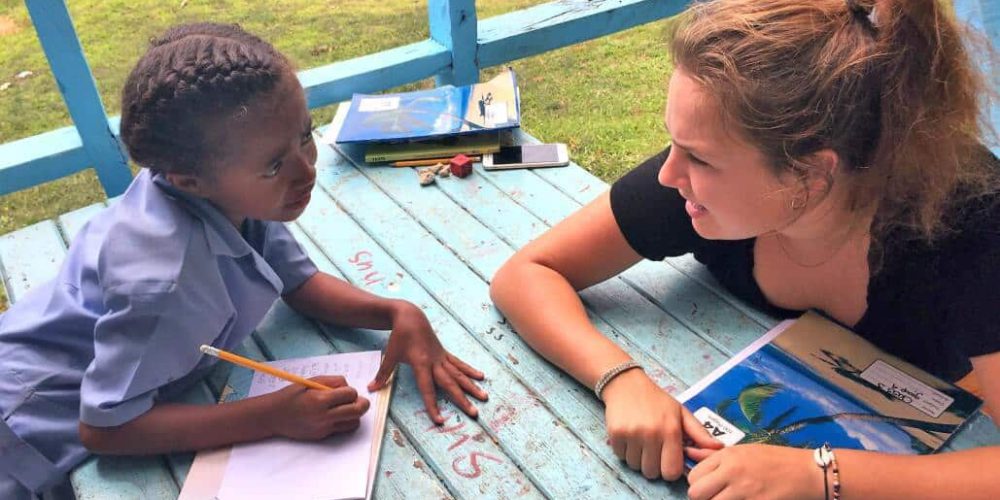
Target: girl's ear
(189, 183)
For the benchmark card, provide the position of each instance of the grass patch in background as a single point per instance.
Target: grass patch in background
(604, 98)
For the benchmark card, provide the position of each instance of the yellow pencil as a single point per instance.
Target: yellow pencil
(427, 162)
(255, 365)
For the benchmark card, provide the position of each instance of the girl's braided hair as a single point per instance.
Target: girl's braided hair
(189, 77)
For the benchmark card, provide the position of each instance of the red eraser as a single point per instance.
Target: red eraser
(460, 165)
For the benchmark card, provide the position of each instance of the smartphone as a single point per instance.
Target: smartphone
(527, 156)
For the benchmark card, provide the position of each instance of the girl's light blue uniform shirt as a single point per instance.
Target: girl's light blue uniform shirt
(144, 284)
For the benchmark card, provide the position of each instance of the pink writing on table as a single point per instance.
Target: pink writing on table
(363, 264)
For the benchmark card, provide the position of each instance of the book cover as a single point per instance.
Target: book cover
(476, 144)
(438, 112)
(811, 381)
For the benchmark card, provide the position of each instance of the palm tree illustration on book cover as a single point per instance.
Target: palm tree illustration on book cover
(803, 393)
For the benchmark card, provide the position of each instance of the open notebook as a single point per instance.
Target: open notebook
(339, 467)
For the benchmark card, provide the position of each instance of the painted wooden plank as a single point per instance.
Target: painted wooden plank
(688, 265)
(30, 257)
(70, 223)
(123, 477)
(459, 223)
(453, 25)
(180, 463)
(374, 72)
(285, 334)
(552, 25)
(40, 158)
(69, 66)
(399, 476)
(573, 403)
(980, 430)
(537, 438)
(700, 310)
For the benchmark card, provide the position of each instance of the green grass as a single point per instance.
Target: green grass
(603, 98)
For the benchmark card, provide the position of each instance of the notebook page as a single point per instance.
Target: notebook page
(334, 468)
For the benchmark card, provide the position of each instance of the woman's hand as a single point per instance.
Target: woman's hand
(755, 471)
(298, 412)
(413, 341)
(647, 426)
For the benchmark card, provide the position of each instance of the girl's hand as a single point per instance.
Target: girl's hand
(413, 341)
(755, 471)
(298, 412)
(647, 426)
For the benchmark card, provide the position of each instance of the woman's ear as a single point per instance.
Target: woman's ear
(189, 183)
(823, 168)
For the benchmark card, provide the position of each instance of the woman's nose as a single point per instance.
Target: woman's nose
(672, 172)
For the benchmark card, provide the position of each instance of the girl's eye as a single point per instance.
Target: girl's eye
(273, 170)
(308, 137)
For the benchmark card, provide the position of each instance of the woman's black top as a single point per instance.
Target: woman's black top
(932, 305)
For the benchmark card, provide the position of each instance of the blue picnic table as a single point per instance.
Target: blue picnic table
(541, 434)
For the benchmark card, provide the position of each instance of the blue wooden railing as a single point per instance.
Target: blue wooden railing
(459, 46)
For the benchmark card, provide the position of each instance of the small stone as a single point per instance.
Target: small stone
(426, 176)
(442, 169)
(4, 86)
(22, 75)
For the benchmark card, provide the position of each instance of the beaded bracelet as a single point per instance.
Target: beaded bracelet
(824, 457)
(836, 474)
(613, 372)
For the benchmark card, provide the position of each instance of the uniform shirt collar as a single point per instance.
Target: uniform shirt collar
(223, 237)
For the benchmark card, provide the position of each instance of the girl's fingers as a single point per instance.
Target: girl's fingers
(466, 368)
(352, 411)
(339, 396)
(388, 365)
(450, 386)
(466, 384)
(345, 426)
(425, 384)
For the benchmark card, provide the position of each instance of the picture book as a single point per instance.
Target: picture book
(341, 466)
(477, 144)
(433, 113)
(810, 381)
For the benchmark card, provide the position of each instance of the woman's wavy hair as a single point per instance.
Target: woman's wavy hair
(191, 75)
(888, 85)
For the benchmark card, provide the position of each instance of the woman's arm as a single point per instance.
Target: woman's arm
(536, 290)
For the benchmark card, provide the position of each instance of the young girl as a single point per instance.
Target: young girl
(194, 253)
(826, 155)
